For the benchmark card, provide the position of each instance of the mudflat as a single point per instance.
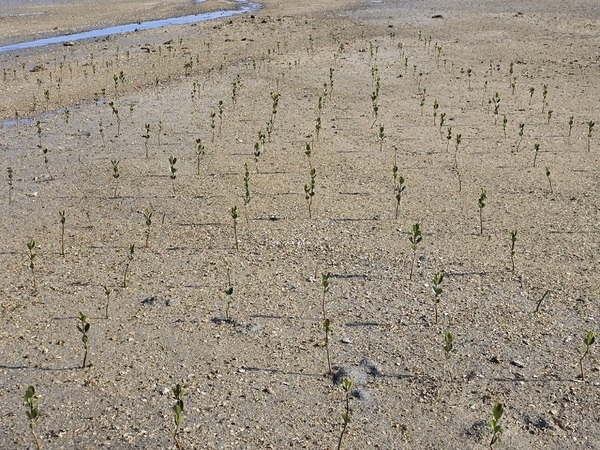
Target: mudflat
(259, 207)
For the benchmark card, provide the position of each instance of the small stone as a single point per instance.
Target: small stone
(346, 340)
(68, 44)
(171, 302)
(516, 362)
(149, 301)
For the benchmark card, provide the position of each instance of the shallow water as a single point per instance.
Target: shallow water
(245, 7)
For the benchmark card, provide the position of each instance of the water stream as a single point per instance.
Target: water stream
(245, 7)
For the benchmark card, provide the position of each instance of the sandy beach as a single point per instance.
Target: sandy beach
(258, 207)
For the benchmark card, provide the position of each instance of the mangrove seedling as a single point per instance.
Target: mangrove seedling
(549, 179)
(317, 127)
(33, 413)
(172, 171)
(199, 154)
(570, 125)
(521, 131)
(62, 232)
(513, 240)
(381, 136)
(66, 115)
(127, 264)
(436, 105)
(589, 134)
(146, 137)
(116, 174)
(246, 189)
(325, 287)
(148, 219)
(457, 144)
(496, 427)
(107, 292)
(536, 149)
(496, 102)
(31, 255)
(229, 293)
(347, 385)
(449, 339)
(45, 153)
(178, 393)
(309, 190)
(115, 111)
(234, 216)
(437, 291)
(414, 239)
(10, 174)
(588, 340)
(256, 155)
(221, 111)
(212, 125)
(504, 123)
(308, 152)
(83, 327)
(531, 92)
(327, 329)
(448, 138)
(544, 95)
(481, 202)
(550, 111)
(398, 186)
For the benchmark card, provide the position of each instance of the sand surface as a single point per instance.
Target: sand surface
(359, 83)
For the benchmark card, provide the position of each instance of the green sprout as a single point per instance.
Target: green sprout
(544, 95)
(496, 102)
(549, 179)
(448, 138)
(62, 232)
(45, 153)
(570, 125)
(327, 329)
(457, 142)
(66, 115)
(146, 137)
(256, 154)
(436, 105)
(127, 264)
(398, 186)
(521, 132)
(246, 189)
(10, 174)
(221, 111)
(172, 170)
(589, 135)
(309, 190)
(531, 91)
(381, 136)
(550, 111)
(229, 293)
(437, 291)
(178, 394)
(107, 292)
(494, 425)
(347, 385)
(536, 149)
(588, 341)
(481, 203)
(504, 123)
(116, 174)
(212, 125)
(115, 111)
(325, 286)
(33, 412)
(234, 216)
(31, 255)
(148, 219)
(83, 327)
(513, 240)
(449, 339)
(414, 240)
(199, 154)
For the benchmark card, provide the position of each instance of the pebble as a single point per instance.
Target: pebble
(516, 362)
(346, 340)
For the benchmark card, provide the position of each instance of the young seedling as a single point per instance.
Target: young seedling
(327, 329)
(256, 155)
(308, 152)
(437, 291)
(544, 95)
(504, 123)
(449, 339)
(347, 385)
(448, 138)
(148, 219)
(536, 149)
(570, 126)
(199, 154)
(127, 264)
(496, 103)
(33, 413)
(381, 136)
(229, 293)
(116, 174)
(458, 140)
(84, 327)
(549, 179)
(212, 125)
(31, 255)
(178, 394)
(531, 92)
(309, 190)
(513, 240)
(398, 186)
(10, 174)
(494, 425)
(246, 189)
(481, 203)
(146, 137)
(62, 232)
(234, 216)
(107, 292)
(45, 153)
(221, 111)
(436, 105)
(325, 287)
(172, 171)
(589, 135)
(414, 240)
(588, 340)
(521, 132)
(550, 111)
(66, 115)
(115, 111)
(442, 122)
